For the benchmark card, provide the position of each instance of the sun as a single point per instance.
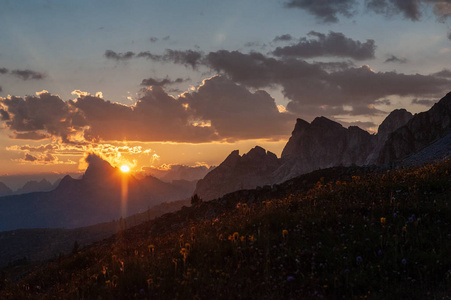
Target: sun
(125, 169)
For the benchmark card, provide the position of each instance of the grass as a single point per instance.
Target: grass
(341, 233)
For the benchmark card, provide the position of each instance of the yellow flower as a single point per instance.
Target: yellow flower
(236, 235)
(284, 233)
(383, 220)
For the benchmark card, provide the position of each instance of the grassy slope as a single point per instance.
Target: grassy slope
(335, 233)
(25, 245)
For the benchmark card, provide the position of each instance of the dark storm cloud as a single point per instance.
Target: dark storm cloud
(37, 117)
(3, 71)
(160, 82)
(325, 11)
(395, 59)
(27, 74)
(119, 56)
(334, 44)
(283, 38)
(153, 39)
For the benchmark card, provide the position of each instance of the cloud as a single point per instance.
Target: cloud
(235, 112)
(257, 70)
(3, 70)
(187, 57)
(153, 39)
(218, 110)
(445, 73)
(45, 159)
(27, 74)
(325, 11)
(41, 116)
(424, 102)
(395, 59)
(110, 54)
(283, 38)
(328, 11)
(160, 82)
(314, 90)
(334, 44)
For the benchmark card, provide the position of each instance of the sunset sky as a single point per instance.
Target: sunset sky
(186, 82)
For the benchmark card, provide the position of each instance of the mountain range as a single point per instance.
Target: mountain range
(99, 196)
(324, 143)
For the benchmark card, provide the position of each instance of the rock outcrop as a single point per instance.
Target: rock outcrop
(322, 144)
(395, 120)
(419, 132)
(236, 172)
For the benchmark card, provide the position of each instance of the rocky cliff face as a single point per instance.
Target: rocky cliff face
(238, 172)
(419, 132)
(395, 120)
(322, 144)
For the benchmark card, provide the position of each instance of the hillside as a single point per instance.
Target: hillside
(29, 245)
(335, 233)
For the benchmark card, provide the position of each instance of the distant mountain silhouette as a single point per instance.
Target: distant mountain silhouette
(95, 198)
(35, 186)
(179, 172)
(324, 143)
(4, 190)
(238, 172)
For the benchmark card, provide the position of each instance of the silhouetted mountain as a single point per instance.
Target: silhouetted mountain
(324, 143)
(35, 186)
(4, 190)
(102, 194)
(422, 130)
(179, 172)
(396, 119)
(238, 172)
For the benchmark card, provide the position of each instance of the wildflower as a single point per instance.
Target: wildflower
(404, 261)
(188, 246)
(284, 233)
(395, 215)
(379, 252)
(412, 218)
(290, 278)
(359, 259)
(383, 220)
(404, 229)
(151, 248)
(236, 235)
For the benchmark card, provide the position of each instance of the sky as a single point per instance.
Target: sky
(159, 83)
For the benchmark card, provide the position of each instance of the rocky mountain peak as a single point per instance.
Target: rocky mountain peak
(396, 119)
